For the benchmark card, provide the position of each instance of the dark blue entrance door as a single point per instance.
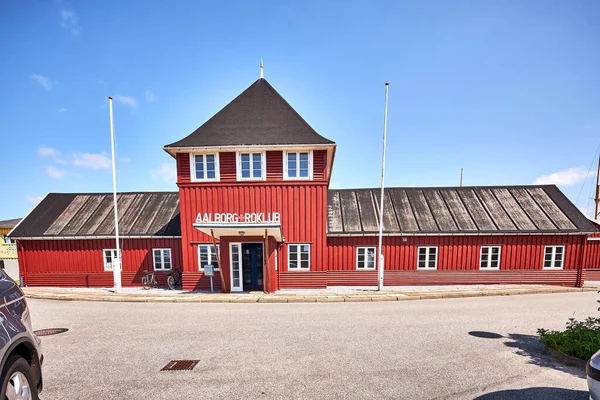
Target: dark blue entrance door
(252, 266)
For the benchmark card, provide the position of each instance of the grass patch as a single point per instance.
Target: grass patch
(581, 339)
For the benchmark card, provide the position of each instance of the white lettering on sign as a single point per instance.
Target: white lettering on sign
(232, 218)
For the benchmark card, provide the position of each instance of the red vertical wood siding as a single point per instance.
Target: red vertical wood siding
(228, 166)
(457, 252)
(183, 167)
(302, 206)
(274, 161)
(591, 259)
(81, 262)
(319, 164)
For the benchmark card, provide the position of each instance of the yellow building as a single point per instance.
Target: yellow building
(8, 248)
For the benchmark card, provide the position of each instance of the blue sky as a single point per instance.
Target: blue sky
(507, 90)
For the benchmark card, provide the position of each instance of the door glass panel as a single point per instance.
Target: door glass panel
(235, 266)
(259, 265)
(247, 262)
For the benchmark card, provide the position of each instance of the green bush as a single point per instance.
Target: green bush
(581, 338)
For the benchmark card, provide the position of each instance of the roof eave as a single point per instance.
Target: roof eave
(173, 150)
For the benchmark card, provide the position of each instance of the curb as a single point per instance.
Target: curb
(565, 359)
(331, 298)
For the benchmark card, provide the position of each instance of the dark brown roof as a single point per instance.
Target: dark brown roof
(464, 210)
(91, 214)
(9, 223)
(258, 116)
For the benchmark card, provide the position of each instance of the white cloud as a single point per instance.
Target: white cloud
(127, 100)
(62, 110)
(69, 21)
(47, 151)
(51, 153)
(34, 199)
(44, 81)
(54, 172)
(77, 159)
(92, 160)
(568, 177)
(167, 172)
(150, 97)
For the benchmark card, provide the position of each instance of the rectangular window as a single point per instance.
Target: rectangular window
(365, 258)
(298, 165)
(490, 257)
(427, 258)
(554, 257)
(205, 167)
(7, 240)
(250, 166)
(207, 255)
(298, 257)
(110, 255)
(162, 259)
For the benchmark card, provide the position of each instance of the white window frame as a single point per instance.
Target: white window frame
(239, 288)
(263, 166)
(299, 259)
(7, 240)
(162, 259)
(211, 250)
(553, 259)
(427, 256)
(193, 167)
(366, 249)
(310, 165)
(113, 253)
(489, 259)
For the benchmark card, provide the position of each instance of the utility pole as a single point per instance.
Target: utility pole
(461, 174)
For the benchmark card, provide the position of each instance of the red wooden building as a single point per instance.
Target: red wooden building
(254, 202)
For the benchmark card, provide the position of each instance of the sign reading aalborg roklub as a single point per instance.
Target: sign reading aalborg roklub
(245, 218)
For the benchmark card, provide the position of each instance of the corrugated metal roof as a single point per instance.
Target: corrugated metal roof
(91, 214)
(9, 223)
(463, 210)
(258, 116)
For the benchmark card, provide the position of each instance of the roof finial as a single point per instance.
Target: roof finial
(262, 73)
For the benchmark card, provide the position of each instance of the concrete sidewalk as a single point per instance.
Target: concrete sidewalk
(295, 296)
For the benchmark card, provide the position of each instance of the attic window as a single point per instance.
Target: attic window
(298, 165)
(205, 167)
(251, 166)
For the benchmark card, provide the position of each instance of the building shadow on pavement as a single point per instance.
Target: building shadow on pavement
(537, 393)
(530, 346)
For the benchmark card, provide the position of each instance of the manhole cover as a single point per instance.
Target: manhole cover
(51, 331)
(180, 365)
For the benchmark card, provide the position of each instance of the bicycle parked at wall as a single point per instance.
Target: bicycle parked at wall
(174, 278)
(149, 281)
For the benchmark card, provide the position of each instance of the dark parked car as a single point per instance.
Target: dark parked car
(20, 348)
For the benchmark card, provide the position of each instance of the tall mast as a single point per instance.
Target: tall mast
(380, 251)
(597, 199)
(115, 265)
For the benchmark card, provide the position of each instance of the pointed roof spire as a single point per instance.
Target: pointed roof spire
(258, 116)
(262, 73)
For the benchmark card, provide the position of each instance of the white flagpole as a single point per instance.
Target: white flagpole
(380, 255)
(116, 264)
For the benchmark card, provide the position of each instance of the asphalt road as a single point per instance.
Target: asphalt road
(429, 349)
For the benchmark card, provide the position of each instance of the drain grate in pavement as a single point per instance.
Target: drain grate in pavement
(51, 331)
(180, 365)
